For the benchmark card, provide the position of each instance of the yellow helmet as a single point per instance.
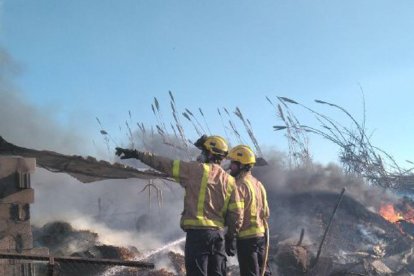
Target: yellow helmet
(216, 145)
(242, 154)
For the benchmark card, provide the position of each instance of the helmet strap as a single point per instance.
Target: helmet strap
(246, 168)
(207, 157)
(216, 159)
(235, 173)
(241, 170)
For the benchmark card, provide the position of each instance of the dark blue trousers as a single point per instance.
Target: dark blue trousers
(204, 253)
(250, 254)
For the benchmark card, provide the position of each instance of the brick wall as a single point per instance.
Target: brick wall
(16, 195)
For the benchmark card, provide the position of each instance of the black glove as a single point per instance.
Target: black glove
(200, 142)
(126, 153)
(230, 245)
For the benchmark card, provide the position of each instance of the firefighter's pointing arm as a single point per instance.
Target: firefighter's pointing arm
(160, 163)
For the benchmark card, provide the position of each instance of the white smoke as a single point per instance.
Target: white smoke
(125, 215)
(121, 238)
(279, 178)
(116, 210)
(28, 126)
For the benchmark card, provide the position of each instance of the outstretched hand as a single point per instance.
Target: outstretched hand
(126, 153)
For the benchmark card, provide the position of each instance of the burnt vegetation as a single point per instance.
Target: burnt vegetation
(311, 231)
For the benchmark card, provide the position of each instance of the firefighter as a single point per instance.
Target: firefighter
(210, 196)
(252, 239)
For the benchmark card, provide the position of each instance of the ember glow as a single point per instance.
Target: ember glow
(388, 212)
(408, 212)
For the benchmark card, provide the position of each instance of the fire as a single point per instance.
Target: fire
(402, 215)
(388, 212)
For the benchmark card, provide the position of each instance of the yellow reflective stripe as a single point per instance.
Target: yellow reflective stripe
(202, 193)
(176, 170)
(231, 184)
(253, 210)
(202, 222)
(265, 205)
(251, 231)
(236, 205)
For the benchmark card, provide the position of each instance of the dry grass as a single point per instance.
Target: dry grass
(357, 153)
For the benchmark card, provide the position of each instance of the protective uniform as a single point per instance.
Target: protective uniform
(251, 243)
(209, 199)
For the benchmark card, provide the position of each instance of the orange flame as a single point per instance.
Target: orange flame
(388, 212)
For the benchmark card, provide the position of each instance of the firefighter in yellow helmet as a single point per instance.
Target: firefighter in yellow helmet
(251, 240)
(209, 199)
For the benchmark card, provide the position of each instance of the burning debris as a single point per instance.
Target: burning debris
(388, 212)
(400, 214)
(360, 241)
(367, 236)
(63, 240)
(364, 240)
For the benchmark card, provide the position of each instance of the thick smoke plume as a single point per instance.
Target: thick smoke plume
(305, 183)
(117, 210)
(26, 125)
(279, 178)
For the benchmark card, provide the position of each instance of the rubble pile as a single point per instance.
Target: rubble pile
(360, 241)
(62, 239)
(178, 262)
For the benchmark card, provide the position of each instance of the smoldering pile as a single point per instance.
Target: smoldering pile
(359, 242)
(63, 240)
(357, 234)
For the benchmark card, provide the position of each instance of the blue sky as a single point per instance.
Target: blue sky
(87, 59)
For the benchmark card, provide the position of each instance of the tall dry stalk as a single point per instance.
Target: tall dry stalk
(106, 136)
(196, 120)
(142, 135)
(357, 153)
(129, 134)
(158, 114)
(175, 135)
(187, 116)
(249, 130)
(205, 121)
(224, 126)
(298, 142)
(233, 128)
(179, 126)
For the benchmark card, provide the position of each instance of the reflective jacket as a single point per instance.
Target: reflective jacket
(256, 209)
(209, 191)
